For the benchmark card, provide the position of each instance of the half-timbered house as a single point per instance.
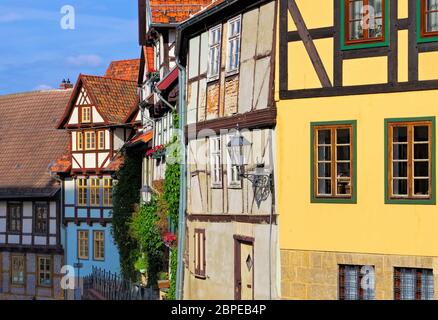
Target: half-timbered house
(357, 89)
(31, 252)
(95, 121)
(227, 56)
(158, 80)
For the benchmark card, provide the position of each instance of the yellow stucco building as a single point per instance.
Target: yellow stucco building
(357, 99)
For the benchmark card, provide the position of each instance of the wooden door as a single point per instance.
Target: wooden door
(244, 270)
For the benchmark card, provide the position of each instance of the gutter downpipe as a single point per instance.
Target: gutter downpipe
(183, 183)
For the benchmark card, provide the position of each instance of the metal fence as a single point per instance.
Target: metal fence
(111, 286)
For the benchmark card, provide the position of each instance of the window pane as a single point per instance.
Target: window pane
(324, 137)
(324, 153)
(421, 151)
(356, 10)
(343, 186)
(351, 283)
(400, 134)
(427, 287)
(324, 186)
(400, 152)
(421, 169)
(432, 5)
(421, 133)
(421, 186)
(400, 169)
(343, 169)
(324, 170)
(407, 284)
(377, 6)
(376, 28)
(356, 31)
(400, 187)
(342, 136)
(343, 153)
(432, 22)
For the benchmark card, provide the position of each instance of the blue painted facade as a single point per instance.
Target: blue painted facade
(76, 217)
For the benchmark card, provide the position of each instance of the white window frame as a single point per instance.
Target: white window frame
(214, 53)
(233, 58)
(233, 178)
(216, 162)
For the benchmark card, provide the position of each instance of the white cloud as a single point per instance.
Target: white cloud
(43, 87)
(85, 60)
(10, 17)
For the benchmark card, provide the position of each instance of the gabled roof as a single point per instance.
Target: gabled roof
(113, 98)
(124, 69)
(174, 11)
(29, 142)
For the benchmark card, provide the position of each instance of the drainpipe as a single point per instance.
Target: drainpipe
(183, 182)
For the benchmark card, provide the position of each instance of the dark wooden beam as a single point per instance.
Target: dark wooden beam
(393, 43)
(412, 42)
(317, 33)
(427, 47)
(365, 53)
(142, 22)
(360, 89)
(308, 44)
(283, 54)
(337, 53)
(258, 119)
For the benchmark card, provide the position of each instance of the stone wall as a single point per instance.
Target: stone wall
(313, 275)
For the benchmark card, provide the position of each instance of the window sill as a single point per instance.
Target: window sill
(200, 277)
(212, 79)
(231, 73)
(413, 201)
(350, 200)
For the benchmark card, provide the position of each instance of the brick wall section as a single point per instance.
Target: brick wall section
(313, 275)
(213, 94)
(231, 93)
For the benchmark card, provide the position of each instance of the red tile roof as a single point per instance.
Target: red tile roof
(124, 69)
(113, 98)
(174, 11)
(148, 52)
(29, 141)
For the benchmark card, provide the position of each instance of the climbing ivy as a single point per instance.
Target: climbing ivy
(144, 229)
(171, 294)
(125, 199)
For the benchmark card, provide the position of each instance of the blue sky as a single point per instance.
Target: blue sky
(37, 53)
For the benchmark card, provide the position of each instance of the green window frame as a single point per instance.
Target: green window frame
(352, 197)
(409, 199)
(362, 45)
(422, 36)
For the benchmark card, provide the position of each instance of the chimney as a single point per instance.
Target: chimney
(66, 84)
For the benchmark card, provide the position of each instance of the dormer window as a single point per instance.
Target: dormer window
(86, 114)
(364, 23)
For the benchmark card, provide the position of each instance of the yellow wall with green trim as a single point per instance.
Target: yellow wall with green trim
(370, 226)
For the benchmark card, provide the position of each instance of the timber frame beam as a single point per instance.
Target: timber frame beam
(338, 89)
